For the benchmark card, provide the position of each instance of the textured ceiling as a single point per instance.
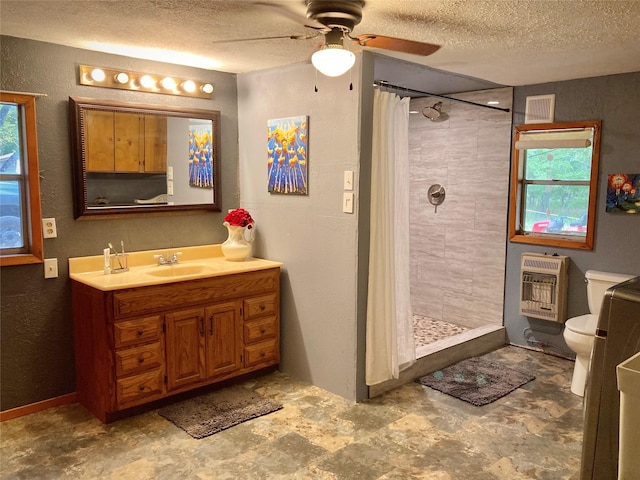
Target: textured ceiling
(517, 42)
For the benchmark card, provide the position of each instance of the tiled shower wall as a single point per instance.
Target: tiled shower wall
(458, 253)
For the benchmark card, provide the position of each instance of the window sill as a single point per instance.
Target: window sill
(20, 259)
(552, 241)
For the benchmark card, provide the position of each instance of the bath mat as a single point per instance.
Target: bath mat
(476, 380)
(216, 411)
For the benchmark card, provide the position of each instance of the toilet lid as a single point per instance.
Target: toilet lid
(584, 324)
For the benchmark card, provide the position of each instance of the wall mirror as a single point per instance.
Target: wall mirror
(133, 159)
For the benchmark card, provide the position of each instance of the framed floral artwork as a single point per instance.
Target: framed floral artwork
(623, 193)
(287, 149)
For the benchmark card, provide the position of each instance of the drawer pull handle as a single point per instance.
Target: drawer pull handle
(262, 307)
(262, 330)
(140, 333)
(141, 360)
(262, 354)
(141, 388)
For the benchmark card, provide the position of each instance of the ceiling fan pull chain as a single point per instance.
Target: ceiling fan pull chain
(350, 79)
(316, 85)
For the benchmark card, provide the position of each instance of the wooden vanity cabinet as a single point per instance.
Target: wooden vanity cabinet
(203, 343)
(137, 345)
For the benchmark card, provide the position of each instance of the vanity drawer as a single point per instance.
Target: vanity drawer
(140, 388)
(260, 330)
(258, 306)
(261, 353)
(139, 359)
(140, 330)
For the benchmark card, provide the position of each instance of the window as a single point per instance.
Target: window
(553, 184)
(20, 219)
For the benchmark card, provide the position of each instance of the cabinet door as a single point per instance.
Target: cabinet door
(224, 338)
(185, 343)
(155, 144)
(128, 145)
(99, 140)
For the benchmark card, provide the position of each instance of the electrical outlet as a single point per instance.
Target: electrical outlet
(49, 229)
(50, 268)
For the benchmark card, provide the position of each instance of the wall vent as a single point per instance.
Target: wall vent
(540, 109)
(543, 286)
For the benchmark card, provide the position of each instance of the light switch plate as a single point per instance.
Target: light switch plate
(49, 229)
(348, 180)
(347, 202)
(50, 268)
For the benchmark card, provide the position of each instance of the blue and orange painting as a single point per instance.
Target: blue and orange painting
(201, 156)
(287, 155)
(623, 193)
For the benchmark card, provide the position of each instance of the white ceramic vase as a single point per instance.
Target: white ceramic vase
(237, 246)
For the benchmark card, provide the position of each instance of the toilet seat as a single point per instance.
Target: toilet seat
(583, 324)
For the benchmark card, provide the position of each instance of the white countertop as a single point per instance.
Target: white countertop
(197, 262)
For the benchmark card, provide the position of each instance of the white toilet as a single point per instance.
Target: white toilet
(579, 332)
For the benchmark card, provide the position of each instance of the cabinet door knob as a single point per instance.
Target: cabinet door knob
(141, 388)
(262, 354)
(262, 307)
(141, 360)
(262, 330)
(140, 333)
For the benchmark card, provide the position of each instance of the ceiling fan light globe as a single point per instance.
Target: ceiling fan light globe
(333, 61)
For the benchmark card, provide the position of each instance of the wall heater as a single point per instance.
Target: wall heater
(543, 286)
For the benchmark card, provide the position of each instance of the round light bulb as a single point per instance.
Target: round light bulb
(122, 78)
(147, 82)
(333, 60)
(207, 88)
(168, 83)
(98, 75)
(189, 86)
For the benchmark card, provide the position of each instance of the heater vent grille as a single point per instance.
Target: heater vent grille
(540, 109)
(543, 286)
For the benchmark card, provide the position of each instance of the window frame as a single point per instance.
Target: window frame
(516, 188)
(31, 181)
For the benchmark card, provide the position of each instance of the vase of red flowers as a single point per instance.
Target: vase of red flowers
(241, 235)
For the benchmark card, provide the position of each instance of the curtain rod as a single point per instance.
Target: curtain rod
(384, 84)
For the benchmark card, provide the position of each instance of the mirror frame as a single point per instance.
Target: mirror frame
(77, 105)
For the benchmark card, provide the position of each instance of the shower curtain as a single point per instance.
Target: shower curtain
(390, 345)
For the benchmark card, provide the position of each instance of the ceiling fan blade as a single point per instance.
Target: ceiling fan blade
(257, 39)
(293, 15)
(396, 44)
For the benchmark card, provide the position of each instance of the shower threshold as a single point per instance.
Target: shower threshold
(445, 352)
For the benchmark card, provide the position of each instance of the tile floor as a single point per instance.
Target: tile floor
(427, 330)
(410, 432)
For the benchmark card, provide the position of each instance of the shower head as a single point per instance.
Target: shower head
(434, 112)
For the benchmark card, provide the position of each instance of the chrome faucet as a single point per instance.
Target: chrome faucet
(167, 259)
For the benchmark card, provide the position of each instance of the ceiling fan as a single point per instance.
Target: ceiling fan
(336, 19)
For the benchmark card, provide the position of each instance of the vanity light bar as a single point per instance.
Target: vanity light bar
(143, 82)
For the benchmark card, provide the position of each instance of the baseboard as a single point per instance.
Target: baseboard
(38, 406)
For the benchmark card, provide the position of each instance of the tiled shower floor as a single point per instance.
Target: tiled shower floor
(427, 330)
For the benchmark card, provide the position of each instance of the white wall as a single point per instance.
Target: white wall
(317, 243)
(458, 253)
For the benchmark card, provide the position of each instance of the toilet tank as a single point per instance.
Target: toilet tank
(598, 283)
